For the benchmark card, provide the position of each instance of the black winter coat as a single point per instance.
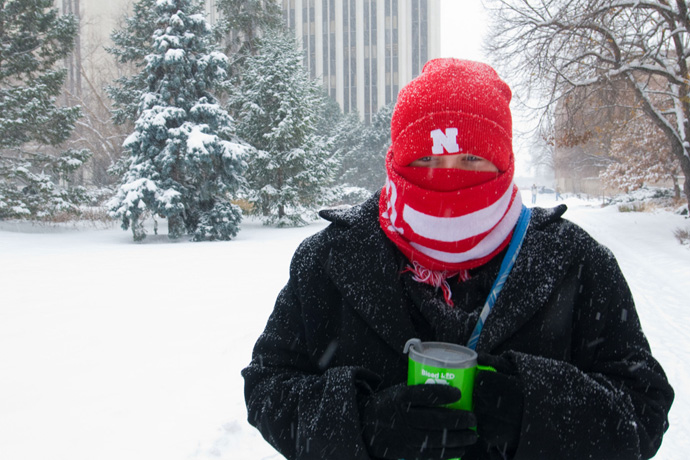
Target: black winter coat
(565, 317)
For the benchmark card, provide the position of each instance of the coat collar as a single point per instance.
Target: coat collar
(366, 268)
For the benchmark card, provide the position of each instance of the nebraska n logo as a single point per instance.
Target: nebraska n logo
(447, 140)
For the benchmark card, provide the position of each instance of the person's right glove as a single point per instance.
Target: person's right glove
(498, 403)
(408, 422)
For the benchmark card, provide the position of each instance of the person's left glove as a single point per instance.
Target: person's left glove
(498, 403)
(409, 422)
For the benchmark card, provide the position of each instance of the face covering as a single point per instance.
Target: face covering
(447, 221)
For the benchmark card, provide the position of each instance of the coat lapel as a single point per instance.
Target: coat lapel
(530, 284)
(365, 269)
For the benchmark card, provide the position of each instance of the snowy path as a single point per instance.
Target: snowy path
(658, 272)
(114, 350)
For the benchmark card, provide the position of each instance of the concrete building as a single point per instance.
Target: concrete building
(90, 65)
(365, 50)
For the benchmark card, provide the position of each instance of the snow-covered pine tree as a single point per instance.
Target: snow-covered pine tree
(277, 106)
(363, 166)
(345, 133)
(242, 22)
(35, 38)
(131, 44)
(185, 161)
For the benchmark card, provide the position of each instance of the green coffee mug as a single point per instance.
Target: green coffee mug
(446, 364)
(443, 363)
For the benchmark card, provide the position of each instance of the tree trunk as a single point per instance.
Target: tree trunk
(676, 187)
(279, 185)
(175, 226)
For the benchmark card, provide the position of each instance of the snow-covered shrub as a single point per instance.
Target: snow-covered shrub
(645, 199)
(683, 236)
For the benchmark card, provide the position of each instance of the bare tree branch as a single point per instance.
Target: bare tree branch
(557, 48)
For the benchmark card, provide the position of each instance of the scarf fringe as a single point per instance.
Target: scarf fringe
(437, 279)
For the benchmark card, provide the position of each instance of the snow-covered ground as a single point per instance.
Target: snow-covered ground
(116, 350)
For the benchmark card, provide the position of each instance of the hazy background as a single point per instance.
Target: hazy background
(464, 24)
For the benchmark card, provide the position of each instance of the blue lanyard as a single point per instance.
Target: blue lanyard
(506, 266)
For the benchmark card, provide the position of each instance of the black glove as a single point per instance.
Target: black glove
(406, 422)
(498, 403)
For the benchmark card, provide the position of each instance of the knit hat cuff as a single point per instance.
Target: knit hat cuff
(449, 133)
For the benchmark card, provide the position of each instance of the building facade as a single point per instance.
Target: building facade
(365, 50)
(90, 65)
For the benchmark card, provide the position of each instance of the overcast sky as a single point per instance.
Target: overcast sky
(463, 24)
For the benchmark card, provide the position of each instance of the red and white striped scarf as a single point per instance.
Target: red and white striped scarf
(444, 220)
(447, 220)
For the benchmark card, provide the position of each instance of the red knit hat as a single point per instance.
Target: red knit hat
(450, 220)
(466, 95)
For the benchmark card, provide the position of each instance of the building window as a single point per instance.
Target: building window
(289, 13)
(391, 50)
(328, 42)
(73, 62)
(349, 55)
(211, 11)
(312, 39)
(368, 57)
(424, 33)
(370, 60)
(420, 26)
(379, 61)
(414, 37)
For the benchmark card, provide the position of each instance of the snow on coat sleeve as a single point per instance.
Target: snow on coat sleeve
(611, 399)
(303, 411)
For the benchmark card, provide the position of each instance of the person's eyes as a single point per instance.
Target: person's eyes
(425, 159)
(472, 158)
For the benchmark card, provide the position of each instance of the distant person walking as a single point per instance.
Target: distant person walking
(558, 193)
(534, 193)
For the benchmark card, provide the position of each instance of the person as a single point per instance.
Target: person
(534, 193)
(575, 377)
(558, 193)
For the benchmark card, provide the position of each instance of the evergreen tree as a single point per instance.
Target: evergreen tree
(346, 134)
(243, 21)
(363, 164)
(35, 38)
(330, 115)
(277, 107)
(132, 43)
(343, 135)
(185, 162)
